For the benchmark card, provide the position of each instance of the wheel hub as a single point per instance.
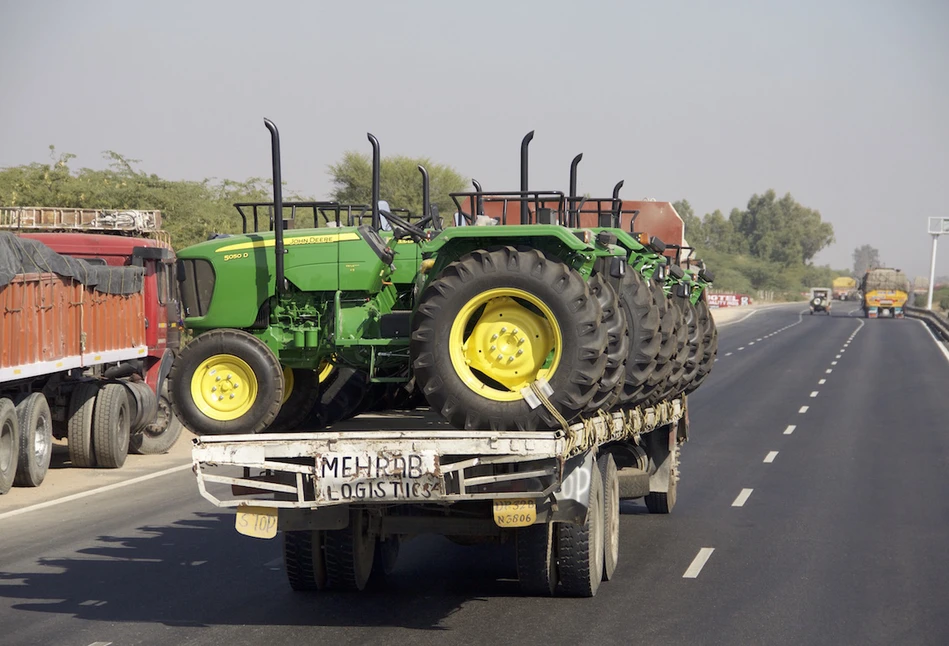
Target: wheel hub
(511, 341)
(224, 387)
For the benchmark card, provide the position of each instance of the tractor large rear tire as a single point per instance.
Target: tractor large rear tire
(535, 312)
(709, 345)
(341, 397)
(226, 382)
(673, 338)
(643, 318)
(301, 394)
(617, 349)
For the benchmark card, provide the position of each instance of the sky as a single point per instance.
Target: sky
(844, 104)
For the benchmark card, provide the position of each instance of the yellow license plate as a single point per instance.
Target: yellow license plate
(258, 522)
(519, 512)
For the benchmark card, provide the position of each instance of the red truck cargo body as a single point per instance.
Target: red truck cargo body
(50, 324)
(119, 251)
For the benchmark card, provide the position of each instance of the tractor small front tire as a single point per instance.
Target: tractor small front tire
(226, 381)
(301, 394)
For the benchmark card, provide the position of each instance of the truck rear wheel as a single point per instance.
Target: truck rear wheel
(617, 349)
(607, 467)
(9, 444)
(386, 556)
(226, 381)
(537, 559)
(496, 322)
(79, 424)
(303, 560)
(350, 553)
(580, 547)
(110, 426)
(36, 440)
(661, 456)
(160, 435)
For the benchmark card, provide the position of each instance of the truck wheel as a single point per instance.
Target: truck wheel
(36, 440)
(495, 322)
(79, 424)
(350, 553)
(386, 556)
(580, 547)
(607, 467)
(657, 449)
(643, 318)
(226, 381)
(300, 395)
(110, 426)
(303, 560)
(9, 444)
(159, 436)
(537, 559)
(617, 348)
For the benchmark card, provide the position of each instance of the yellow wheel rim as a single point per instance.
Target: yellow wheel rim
(224, 387)
(325, 369)
(502, 340)
(287, 384)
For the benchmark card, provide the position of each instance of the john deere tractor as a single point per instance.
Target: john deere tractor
(517, 326)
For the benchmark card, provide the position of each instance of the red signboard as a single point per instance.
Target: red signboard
(728, 300)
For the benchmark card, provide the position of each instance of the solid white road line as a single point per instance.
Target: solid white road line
(698, 563)
(93, 492)
(742, 498)
(770, 457)
(803, 409)
(945, 352)
(789, 429)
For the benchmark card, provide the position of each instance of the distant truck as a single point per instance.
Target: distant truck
(820, 300)
(88, 333)
(885, 292)
(843, 287)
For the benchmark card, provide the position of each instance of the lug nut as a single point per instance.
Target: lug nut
(514, 331)
(232, 395)
(213, 388)
(494, 337)
(220, 397)
(218, 378)
(493, 347)
(520, 352)
(229, 376)
(510, 359)
(500, 357)
(521, 341)
(503, 330)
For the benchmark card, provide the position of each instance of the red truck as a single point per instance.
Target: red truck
(88, 332)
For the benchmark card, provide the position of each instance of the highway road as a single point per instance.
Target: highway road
(813, 509)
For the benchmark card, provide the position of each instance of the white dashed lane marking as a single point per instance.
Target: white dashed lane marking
(770, 457)
(814, 393)
(803, 409)
(789, 429)
(698, 563)
(821, 382)
(742, 498)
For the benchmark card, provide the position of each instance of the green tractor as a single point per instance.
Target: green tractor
(498, 327)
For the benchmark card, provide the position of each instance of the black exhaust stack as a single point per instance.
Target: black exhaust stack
(278, 206)
(426, 196)
(525, 142)
(376, 221)
(617, 204)
(479, 204)
(575, 212)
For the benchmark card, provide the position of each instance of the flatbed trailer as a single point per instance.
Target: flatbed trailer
(344, 499)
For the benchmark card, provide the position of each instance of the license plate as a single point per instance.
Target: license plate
(257, 522)
(520, 512)
(380, 476)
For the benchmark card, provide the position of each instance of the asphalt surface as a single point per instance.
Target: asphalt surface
(837, 538)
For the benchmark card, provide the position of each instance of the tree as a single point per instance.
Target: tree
(864, 257)
(400, 182)
(693, 224)
(782, 230)
(719, 232)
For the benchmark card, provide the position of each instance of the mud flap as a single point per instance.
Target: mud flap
(572, 500)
